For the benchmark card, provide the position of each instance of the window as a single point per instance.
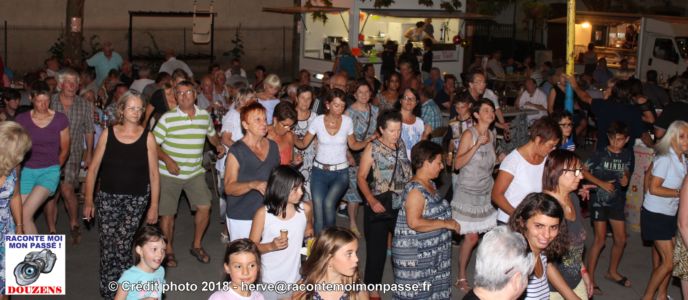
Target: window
(664, 49)
(682, 43)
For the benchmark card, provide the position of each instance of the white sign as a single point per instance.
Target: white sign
(35, 264)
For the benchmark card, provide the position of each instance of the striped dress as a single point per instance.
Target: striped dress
(182, 138)
(419, 257)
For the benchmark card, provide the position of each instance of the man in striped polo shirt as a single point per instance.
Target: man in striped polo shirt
(180, 135)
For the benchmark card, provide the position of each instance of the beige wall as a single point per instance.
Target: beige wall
(34, 25)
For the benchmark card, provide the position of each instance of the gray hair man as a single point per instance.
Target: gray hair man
(502, 266)
(81, 128)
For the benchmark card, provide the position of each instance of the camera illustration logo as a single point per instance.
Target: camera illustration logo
(34, 264)
(37, 263)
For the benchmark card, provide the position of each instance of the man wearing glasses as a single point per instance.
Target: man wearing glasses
(181, 134)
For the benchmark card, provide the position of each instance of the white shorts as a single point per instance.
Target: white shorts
(238, 229)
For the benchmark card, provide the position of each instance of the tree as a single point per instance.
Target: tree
(74, 35)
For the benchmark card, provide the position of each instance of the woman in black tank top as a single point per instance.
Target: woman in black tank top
(127, 161)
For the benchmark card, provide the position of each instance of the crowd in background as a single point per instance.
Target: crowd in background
(419, 149)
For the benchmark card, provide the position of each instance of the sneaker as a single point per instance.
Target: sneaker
(342, 212)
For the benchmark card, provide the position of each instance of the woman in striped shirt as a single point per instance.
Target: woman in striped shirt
(539, 218)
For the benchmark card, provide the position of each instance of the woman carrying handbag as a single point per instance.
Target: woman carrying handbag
(385, 162)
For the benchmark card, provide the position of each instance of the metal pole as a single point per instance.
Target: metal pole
(570, 40)
(212, 35)
(130, 35)
(5, 43)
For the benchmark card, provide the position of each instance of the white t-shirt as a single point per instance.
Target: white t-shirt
(269, 105)
(172, 64)
(538, 98)
(490, 95)
(139, 84)
(283, 265)
(228, 73)
(331, 148)
(231, 123)
(527, 179)
(672, 170)
(411, 134)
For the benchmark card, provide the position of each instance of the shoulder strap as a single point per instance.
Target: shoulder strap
(394, 171)
(370, 115)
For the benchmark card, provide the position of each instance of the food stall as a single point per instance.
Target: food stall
(367, 28)
(645, 41)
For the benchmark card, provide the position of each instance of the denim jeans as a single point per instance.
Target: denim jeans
(327, 188)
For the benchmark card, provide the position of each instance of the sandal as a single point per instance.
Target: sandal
(462, 284)
(356, 232)
(75, 234)
(623, 281)
(597, 291)
(170, 260)
(200, 255)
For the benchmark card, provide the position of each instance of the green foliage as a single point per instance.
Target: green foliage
(319, 15)
(58, 47)
(487, 7)
(449, 5)
(153, 52)
(238, 50)
(536, 11)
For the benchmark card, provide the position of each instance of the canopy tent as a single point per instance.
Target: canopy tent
(426, 13)
(290, 10)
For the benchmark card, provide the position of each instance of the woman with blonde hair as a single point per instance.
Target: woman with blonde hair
(268, 97)
(126, 159)
(332, 260)
(658, 215)
(16, 142)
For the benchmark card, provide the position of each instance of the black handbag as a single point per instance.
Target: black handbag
(387, 197)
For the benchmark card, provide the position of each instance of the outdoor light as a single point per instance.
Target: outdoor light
(586, 25)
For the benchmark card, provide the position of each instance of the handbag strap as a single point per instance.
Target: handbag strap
(370, 115)
(394, 171)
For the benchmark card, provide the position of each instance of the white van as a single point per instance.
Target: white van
(663, 47)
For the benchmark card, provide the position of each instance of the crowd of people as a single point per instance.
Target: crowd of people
(284, 158)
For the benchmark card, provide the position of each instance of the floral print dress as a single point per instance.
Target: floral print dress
(307, 154)
(6, 220)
